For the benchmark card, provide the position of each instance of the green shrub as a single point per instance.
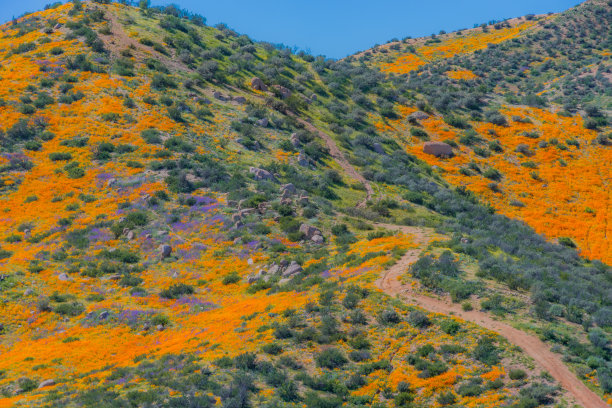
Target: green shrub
(420, 133)
(450, 327)
(231, 278)
(130, 280)
(419, 319)
(160, 319)
(568, 242)
(161, 82)
(517, 374)
(492, 174)
(469, 390)
(151, 136)
(486, 352)
(74, 171)
(331, 358)
(389, 317)
(27, 384)
(75, 142)
(446, 398)
(176, 291)
(272, 349)
(58, 156)
(456, 121)
(33, 145)
(69, 309)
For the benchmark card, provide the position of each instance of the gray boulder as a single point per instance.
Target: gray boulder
(46, 383)
(63, 277)
(303, 201)
(258, 84)
(318, 239)
(378, 148)
(418, 115)
(164, 251)
(246, 212)
(295, 140)
(293, 269)
(288, 190)
(438, 149)
(309, 231)
(264, 122)
(252, 279)
(261, 174)
(240, 99)
(303, 160)
(282, 91)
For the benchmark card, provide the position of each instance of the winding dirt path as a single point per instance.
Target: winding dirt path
(530, 344)
(389, 283)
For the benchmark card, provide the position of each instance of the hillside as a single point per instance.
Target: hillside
(193, 218)
(529, 102)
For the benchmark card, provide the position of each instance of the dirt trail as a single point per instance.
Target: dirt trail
(530, 344)
(339, 157)
(119, 40)
(390, 284)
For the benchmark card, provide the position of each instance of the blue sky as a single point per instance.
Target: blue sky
(337, 28)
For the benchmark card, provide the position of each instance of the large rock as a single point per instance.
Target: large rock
(46, 383)
(63, 277)
(258, 84)
(282, 91)
(303, 160)
(264, 122)
(303, 201)
(438, 149)
(418, 115)
(164, 251)
(317, 239)
(309, 231)
(378, 148)
(295, 140)
(288, 190)
(252, 279)
(240, 99)
(293, 269)
(261, 174)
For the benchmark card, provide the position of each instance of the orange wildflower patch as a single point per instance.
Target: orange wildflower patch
(561, 190)
(450, 46)
(461, 74)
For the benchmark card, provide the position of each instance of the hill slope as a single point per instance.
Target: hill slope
(192, 218)
(520, 95)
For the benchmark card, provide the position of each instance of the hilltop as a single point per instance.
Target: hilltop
(194, 218)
